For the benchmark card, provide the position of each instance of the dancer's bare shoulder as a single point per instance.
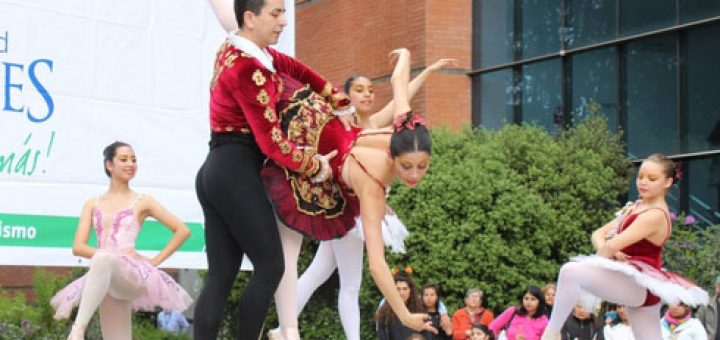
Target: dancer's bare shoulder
(367, 165)
(654, 224)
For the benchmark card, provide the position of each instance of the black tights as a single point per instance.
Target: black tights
(238, 219)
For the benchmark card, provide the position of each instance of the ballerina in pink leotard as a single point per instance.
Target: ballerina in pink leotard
(120, 279)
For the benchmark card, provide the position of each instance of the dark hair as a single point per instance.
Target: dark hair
(538, 294)
(490, 335)
(109, 153)
(412, 136)
(385, 314)
(670, 168)
(241, 6)
(350, 80)
(434, 287)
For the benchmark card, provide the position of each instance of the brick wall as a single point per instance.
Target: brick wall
(19, 279)
(339, 38)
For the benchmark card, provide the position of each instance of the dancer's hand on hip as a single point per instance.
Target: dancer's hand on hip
(134, 254)
(620, 256)
(325, 172)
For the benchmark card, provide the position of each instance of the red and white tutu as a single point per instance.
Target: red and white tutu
(669, 287)
(157, 287)
(322, 211)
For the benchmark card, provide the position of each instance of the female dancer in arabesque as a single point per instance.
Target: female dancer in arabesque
(346, 253)
(366, 163)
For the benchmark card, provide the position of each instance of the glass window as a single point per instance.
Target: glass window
(594, 85)
(588, 22)
(541, 96)
(703, 102)
(642, 16)
(651, 96)
(704, 187)
(540, 32)
(496, 98)
(494, 42)
(698, 9)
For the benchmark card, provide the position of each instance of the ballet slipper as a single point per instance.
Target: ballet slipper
(77, 332)
(274, 334)
(550, 335)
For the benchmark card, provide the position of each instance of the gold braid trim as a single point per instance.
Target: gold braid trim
(327, 90)
(269, 114)
(258, 78)
(263, 97)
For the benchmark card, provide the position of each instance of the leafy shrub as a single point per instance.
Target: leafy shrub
(692, 251)
(503, 209)
(22, 320)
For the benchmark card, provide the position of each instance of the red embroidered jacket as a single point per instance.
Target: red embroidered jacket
(243, 99)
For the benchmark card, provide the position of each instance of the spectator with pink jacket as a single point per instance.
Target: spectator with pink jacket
(525, 322)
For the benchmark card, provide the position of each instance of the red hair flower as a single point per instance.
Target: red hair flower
(678, 172)
(408, 121)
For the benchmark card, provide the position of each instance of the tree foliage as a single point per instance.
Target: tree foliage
(692, 251)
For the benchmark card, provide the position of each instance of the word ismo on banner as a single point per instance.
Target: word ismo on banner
(17, 231)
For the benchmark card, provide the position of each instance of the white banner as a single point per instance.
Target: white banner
(76, 75)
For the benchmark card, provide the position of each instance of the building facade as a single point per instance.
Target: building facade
(649, 67)
(344, 38)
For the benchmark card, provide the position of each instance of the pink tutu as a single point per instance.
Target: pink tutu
(669, 287)
(157, 288)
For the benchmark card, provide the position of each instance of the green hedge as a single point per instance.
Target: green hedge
(693, 252)
(22, 320)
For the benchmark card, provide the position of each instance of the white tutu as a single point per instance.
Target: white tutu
(669, 287)
(393, 232)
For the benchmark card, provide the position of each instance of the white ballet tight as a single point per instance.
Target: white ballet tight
(286, 293)
(345, 254)
(102, 278)
(610, 286)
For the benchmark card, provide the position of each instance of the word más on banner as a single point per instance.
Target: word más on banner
(24, 162)
(17, 76)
